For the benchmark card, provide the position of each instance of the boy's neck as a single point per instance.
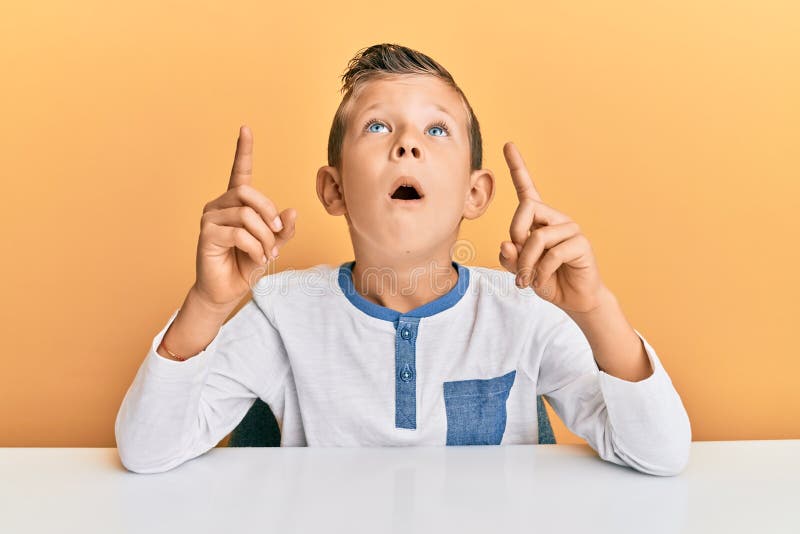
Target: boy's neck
(403, 285)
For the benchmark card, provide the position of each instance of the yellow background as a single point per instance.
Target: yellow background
(669, 132)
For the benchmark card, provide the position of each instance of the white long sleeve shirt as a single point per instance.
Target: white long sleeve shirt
(339, 370)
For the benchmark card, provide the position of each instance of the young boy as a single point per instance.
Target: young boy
(403, 345)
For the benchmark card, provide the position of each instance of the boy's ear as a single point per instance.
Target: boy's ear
(480, 194)
(329, 190)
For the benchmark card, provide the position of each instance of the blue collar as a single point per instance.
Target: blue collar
(437, 305)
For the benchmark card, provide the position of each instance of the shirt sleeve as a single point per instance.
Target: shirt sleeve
(641, 424)
(175, 411)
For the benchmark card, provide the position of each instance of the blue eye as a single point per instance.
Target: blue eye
(371, 129)
(440, 127)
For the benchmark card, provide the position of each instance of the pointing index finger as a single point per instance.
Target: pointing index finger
(519, 173)
(242, 171)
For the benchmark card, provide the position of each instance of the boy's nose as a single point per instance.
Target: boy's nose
(403, 149)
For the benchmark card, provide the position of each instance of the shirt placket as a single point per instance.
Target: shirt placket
(405, 372)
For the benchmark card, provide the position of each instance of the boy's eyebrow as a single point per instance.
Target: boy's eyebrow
(436, 105)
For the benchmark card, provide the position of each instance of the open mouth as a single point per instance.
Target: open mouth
(407, 189)
(406, 192)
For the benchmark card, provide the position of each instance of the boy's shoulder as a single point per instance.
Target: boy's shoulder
(317, 277)
(497, 287)
(498, 282)
(489, 278)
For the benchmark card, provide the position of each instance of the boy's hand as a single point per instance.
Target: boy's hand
(239, 232)
(547, 248)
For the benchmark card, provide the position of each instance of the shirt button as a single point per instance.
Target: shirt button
(405, 333)
(406, 374)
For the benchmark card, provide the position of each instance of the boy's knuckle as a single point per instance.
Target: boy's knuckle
(240, 235)
(244, 192)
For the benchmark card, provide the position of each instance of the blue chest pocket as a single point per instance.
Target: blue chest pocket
(476, 410)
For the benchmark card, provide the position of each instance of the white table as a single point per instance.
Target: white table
(741, 486)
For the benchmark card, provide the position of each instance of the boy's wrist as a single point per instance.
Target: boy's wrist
(195, 299)
(193, 329)
(616, 346)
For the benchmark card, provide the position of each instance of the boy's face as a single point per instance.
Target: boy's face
(405, 126)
